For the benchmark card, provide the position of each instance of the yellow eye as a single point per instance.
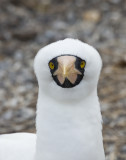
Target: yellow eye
(51, 65)
(82, 64)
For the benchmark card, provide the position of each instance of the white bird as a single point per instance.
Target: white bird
(69, 122)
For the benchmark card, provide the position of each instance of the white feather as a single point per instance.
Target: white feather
(68, 119)
(18, 146)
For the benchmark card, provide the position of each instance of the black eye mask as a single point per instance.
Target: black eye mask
(67, 83)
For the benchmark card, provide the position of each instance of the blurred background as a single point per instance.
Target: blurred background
(28, 25)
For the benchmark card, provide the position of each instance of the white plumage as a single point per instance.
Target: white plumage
(68, 119)
(17, 146)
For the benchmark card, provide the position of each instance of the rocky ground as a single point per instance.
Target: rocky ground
(26, 26)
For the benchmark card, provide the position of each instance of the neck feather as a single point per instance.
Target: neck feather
(55, 119)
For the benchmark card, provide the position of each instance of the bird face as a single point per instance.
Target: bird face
(67, 70)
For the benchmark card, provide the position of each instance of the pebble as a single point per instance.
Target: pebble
(23, 114)
(18, 55)
(91, 15)
(114, 1)
(24, 34)
(59, 25)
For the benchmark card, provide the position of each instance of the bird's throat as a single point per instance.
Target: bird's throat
(63, 130)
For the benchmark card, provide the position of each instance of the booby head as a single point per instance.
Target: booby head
(68, 69)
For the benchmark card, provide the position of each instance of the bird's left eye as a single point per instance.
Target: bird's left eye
(51, 65)
(82, 64)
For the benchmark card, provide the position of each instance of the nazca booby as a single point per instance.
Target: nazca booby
(69, 122)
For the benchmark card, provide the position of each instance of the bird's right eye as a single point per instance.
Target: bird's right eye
(51, 65)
